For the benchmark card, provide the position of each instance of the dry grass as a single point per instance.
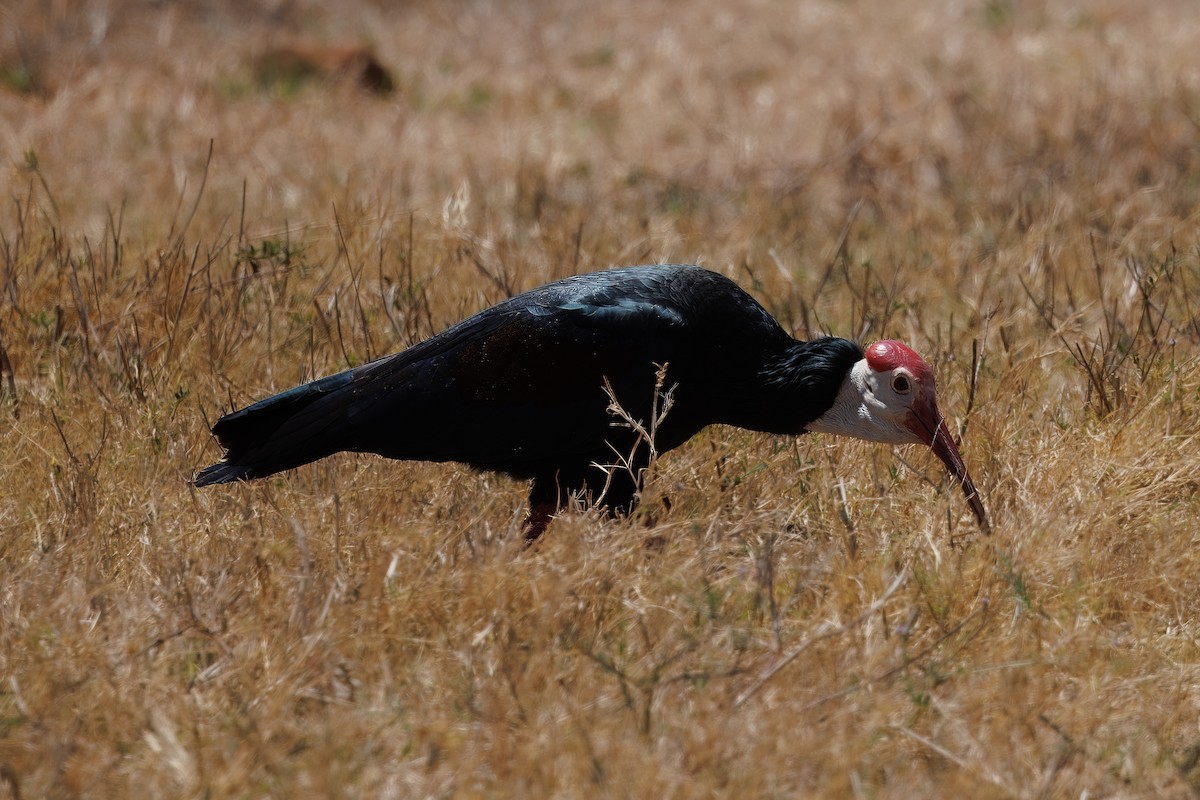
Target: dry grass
(181, 233)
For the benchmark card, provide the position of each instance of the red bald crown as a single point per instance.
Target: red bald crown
(890, 354)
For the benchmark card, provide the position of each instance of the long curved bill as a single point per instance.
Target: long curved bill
(947, 451)
(931, 427)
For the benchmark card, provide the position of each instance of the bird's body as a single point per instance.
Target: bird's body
(525, 387)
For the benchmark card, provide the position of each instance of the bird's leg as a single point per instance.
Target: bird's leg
(539, 518)
(543, 503)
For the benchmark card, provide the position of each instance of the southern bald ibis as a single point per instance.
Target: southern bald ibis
(527, 388)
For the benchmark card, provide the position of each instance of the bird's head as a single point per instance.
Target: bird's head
(889, 397)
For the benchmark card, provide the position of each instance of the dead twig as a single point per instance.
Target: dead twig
(827, 630)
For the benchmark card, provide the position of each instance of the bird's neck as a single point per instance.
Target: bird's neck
(799, 382)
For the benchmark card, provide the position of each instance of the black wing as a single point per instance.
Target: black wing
(517, 388)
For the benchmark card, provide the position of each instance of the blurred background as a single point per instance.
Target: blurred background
(1080, 114)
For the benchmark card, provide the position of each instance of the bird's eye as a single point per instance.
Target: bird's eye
(900, 384)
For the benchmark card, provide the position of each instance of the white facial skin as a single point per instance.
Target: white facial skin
(880, 406)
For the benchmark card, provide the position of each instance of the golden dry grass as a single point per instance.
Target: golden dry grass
(181, 233)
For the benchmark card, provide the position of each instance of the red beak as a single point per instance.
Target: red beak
(927, 423)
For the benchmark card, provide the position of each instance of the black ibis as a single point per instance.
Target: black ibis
(529, 387)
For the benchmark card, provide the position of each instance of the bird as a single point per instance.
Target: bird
(576, 385)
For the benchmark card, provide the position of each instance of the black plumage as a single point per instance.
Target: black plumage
(520, 387)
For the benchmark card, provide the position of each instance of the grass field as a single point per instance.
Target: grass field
(190, 222)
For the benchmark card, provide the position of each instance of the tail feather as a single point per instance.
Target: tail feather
(287, 430)
(222, 472)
